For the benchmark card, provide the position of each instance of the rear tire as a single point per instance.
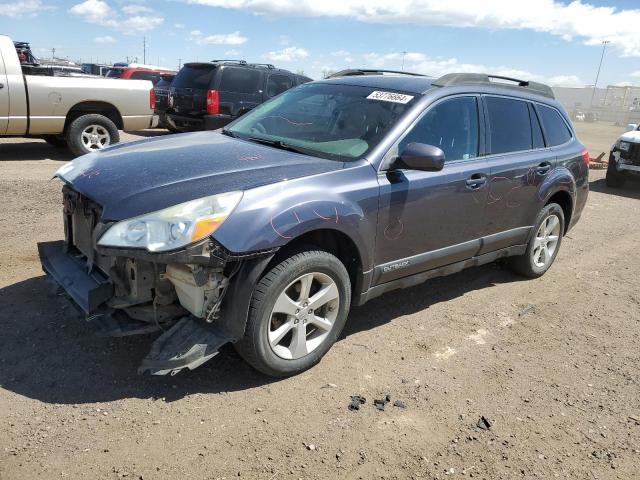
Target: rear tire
(544, 245)
(288, 331)
(614, 179)
(90, 133)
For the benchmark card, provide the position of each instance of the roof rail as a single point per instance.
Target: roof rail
(352, 72)
(266, 65)
(241, 62)
(452, 79)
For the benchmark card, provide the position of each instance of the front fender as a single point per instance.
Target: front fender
(271, 216)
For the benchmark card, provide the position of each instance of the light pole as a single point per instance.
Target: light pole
(403, 55)
(595, 85)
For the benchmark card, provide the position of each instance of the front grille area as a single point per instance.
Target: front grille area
(633, 154)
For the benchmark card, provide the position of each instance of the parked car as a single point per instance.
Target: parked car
(135, 71)
(96, 69)
(624, 159)
(335, 192)
(207, 96)
(162, 100)
(81, 112)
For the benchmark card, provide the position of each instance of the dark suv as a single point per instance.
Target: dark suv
(207, 96)
(335, 192)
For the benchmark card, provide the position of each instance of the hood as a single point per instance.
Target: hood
(141, 177)
(633, 136)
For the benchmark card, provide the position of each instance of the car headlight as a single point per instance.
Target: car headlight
(173, 227)
(624, 146)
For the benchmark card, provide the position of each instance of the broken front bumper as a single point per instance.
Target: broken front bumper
(88, 290)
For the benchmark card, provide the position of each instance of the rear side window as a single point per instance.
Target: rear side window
(451, 125)
(239, 80)
(536, 130)
(142, 75)
(278, 84)
(510, 125)
(194, 76)
(555, 128)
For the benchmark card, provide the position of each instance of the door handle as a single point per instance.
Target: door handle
(543, 168)
(476, 181)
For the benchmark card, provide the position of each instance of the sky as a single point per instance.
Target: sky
(556, 42)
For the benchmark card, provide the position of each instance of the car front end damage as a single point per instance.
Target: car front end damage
(626, 155)
(127, 291)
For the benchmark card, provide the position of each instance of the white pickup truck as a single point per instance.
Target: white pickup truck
(81, 112)
(624, 159)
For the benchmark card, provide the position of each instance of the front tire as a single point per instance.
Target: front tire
(614, 179)
(544, 245)
(90, 133)
(297, 312)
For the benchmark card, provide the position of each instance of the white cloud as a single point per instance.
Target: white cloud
(23, 8)
(233, 53)
(132, 19)
(576, 19)
(636, 74)
(134, 9)
(435, 67)
(179, 25)
(287, 54)
(105, 39)
(218, 39)
(344, 55)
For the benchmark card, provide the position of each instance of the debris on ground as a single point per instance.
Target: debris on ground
(380, 404)
(329, 385)
(356, 401)
(399, 404)
(484, 423)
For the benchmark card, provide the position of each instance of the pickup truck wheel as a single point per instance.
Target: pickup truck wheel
(614, 179)
(56, 140)
(296, 314)
(544, 245)
(91, 132)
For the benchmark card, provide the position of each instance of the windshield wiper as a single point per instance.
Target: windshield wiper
(278, 144)
(228, 133)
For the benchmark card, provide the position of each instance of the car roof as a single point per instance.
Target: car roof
(405, 83)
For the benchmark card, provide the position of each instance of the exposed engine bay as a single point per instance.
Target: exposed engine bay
(127, 292)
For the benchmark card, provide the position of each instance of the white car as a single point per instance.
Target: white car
(624, 159)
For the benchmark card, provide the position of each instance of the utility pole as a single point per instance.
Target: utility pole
(179, 63)
(604, 47)
(53, 53)
(403, 55)
(144, 50)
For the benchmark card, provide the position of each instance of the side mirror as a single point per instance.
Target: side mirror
(420, 156)
(632, 126)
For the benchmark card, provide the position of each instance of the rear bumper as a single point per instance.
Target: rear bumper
(629, 168)
(88, 290)
(206, 122)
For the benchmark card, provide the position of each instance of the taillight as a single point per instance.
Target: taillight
(213, 102)
(585, 157)
(152, 99)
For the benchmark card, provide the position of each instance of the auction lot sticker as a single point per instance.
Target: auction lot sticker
(390, 97)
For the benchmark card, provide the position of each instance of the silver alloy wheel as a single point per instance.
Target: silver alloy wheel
(95, 137)
(303, 315)
(546, 241)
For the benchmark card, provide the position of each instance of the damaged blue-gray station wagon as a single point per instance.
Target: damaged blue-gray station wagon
(265, 234)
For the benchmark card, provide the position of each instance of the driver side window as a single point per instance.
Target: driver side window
(451, 125)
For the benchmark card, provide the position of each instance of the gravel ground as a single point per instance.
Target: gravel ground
(552, 364)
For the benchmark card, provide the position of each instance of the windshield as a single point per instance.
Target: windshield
(329, 120)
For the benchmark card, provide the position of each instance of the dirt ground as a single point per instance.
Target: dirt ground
(551, 363)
